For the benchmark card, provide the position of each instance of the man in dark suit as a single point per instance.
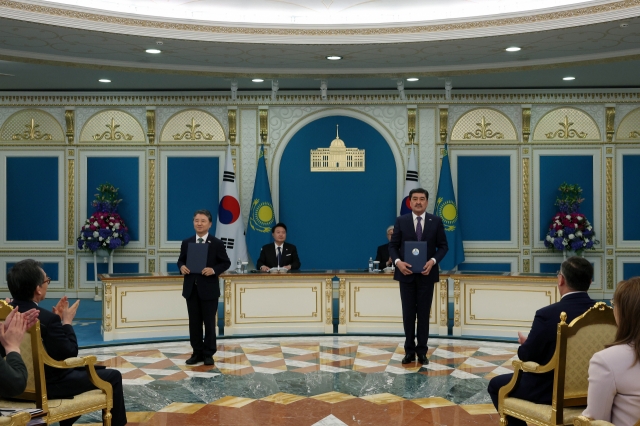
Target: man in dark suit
(28, 285)
(416, 289)
(13, 372)
(279, 254)
(382, 255)
(201, 288)
(574, 279)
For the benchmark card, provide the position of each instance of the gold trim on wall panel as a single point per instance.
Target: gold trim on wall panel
(71, 273)
(152, 265)
(227, 303)
(525, 202)
(151, 125)
(329, 294)
(609, 274)
(231, 117)
(264, 124)
(610, 116)
(609, 198)
(526, 124)
(411, 125)
(444, 120)
(71, 223)
(152, 202)
(456, 303)
(526, 265)
(70, 119)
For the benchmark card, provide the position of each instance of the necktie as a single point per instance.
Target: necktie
(200, 240)
(279, 256)
(419, 228)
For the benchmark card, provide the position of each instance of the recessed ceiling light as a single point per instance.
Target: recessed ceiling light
(154, 51)
(257, 80)
(104, 80)
(413, 79)
(513, 49)
(568, 78)
(334, 57)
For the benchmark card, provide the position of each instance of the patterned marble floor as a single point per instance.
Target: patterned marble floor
(328, 381)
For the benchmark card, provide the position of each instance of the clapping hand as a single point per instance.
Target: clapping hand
(64, 311)
(13, 329)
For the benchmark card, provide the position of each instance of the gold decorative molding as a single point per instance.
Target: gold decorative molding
(329, 295)
(152, 152)
(444, 122)
(609, 150)
(70, 119)
(526, 265)
(609, 198)
(456, 302)
(443, 302)
(71, 152)
(343, 294)
(483, 132)
(634, 134)
(70, 252)
(71, 191)
(526, 124)
(264, 125)
(31, 134)
(227, 303)
(112, 134)
(71, 273)
(152, 202)
(525, 252)
(231, 117)
(192, 134)
(411, 126)
(107, 302)
(609, 252)
(151, 125)
(610, 116)
(525, 202)
(152, 265)
(151, 252)
(609, 274)
(565, 132)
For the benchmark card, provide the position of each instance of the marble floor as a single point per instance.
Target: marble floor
(328, 381)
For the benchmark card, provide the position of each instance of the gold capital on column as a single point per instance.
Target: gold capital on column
(231, 117)
(264, 125)
(526, 124)
(610, 117)
(411, 126)
(151, 125)
(444, 122)
(70, 118)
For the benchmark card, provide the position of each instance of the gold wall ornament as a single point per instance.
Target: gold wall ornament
(70, 119)
(151, 125)
(152, 202)
(329, 295)
(483, 132)
(411, 125)
(227, 303)
(152, 265)
(231, 117)
(444, 122)
(634, 134)
(71, 273)
(526, 124)
(609, 274)
(264, 125)
(456, 299)
(526, 265)
(525, 202)
(71, 224)
(444, 303)
(337, 158)
(565, 132)
(112, 134)
(192, 134)
(609, 198)
(610, 116)
(31, 134)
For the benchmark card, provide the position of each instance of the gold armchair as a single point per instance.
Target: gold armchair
(35, 395)
(18, 419)
(575, 345)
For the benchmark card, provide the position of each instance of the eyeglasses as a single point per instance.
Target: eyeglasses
(558, 272)
(611, 302)
(46, 281)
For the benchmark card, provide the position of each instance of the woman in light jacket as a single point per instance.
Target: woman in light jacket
(614, 373)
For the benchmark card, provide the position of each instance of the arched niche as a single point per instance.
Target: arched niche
(192, 125)
(629, 127)
(112, 125)
(484, 124)
(32, 125)
(566, 125)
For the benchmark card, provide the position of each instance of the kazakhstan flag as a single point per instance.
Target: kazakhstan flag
(447, 211)
(261, 216)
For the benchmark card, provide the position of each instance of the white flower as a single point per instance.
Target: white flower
(589, 228)
(560, 232)
(568, 216)
(571, 236)
(579, 217)
(575, 224)
(549, 238)
(586, 240)
(116, 226)
(115, 235)
(578, 233)
(96, 234)
(100, 239)
(96, 223)
(565, 243)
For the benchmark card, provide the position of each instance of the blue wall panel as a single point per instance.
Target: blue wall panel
(630, 199)
(118, 268)
(337, 219)
(554, 170)
(630, 270)
(192, 184)
(173, 267)
(121, 172)
(32, 198)
(50, 268)
(484, 197)
(493, 267)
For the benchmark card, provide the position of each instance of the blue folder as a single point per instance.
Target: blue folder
(415, 254)
(197, 257)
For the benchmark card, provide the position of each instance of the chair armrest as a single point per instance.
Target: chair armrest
(586, 421)
(17, 419)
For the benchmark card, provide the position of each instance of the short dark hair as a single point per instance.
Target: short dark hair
(205, 212)
(419, 191)
(23, 279)
(577, 272)
(279, 225)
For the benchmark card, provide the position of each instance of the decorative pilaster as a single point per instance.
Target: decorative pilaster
(342, 303)
(526, 123)
(610, 117)
(70, 119)
(263, 111)
(457, 331)
(151, 124)
(525, 199)
(231, 117)
(152, 202)
(444, 122)
(411, 124)
(71, 273)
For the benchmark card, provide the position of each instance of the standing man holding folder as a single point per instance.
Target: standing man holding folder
(202, 259)
(417, 245)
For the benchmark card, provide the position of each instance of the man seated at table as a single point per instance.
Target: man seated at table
(28, 285)
(382, 254)
(278, 254)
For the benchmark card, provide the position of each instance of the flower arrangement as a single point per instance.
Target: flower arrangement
(105, 228)
(570, 229)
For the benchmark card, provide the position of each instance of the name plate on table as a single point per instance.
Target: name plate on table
(415, 254)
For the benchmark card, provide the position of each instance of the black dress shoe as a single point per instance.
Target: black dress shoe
(194, 359)
(422, 359)
(208, 360)
(409, 358)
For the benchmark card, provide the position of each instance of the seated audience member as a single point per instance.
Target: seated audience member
(574, 279)
(13, 372)
(614, 373)
(382, 254)
(279, 254)
(28, 285)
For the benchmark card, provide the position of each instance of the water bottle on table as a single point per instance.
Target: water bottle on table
(371, 264)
